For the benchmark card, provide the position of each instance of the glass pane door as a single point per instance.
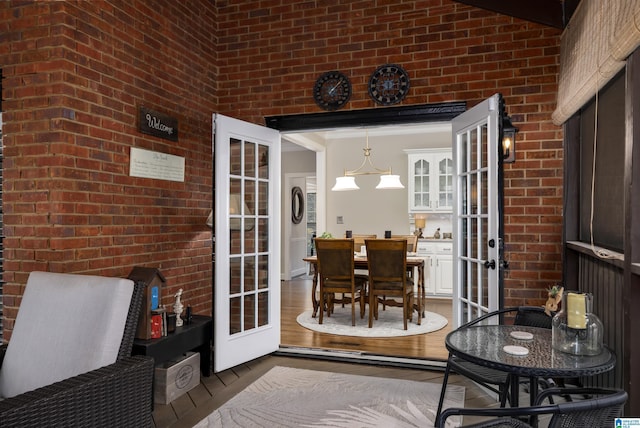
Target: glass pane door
(247, 244)
(476, 273)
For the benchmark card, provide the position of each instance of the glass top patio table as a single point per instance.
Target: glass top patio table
(484, 345)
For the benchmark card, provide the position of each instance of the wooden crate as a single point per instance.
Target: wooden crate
(176, 377)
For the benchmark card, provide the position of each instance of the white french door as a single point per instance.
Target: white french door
(247, 241)
(477, 213)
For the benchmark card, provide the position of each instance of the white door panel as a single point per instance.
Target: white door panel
(247, 241)
(476, 212)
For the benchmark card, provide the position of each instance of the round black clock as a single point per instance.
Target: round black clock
(389, 84)
(332, 90)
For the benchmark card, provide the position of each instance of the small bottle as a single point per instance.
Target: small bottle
(436, 234)
(188, 317)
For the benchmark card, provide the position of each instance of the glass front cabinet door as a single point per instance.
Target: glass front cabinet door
(430, 180)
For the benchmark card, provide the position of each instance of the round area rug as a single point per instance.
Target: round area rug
(388, 324)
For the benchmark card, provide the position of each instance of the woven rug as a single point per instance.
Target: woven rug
(388, 324)
(288, 397)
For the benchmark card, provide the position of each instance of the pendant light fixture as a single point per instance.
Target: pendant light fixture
(348, 180)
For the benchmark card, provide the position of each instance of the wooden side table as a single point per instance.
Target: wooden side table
(193, 337)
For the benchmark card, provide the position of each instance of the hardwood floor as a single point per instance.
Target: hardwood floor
(296, 297)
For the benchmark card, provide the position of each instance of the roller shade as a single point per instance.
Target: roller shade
(594, 47)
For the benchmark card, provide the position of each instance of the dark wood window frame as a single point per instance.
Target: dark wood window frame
(615, 283)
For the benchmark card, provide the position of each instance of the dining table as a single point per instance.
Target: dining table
(523, 351)
(361, 263)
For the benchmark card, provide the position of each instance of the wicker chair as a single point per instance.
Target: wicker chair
(493, 379)
(599, 410)
(115, 395)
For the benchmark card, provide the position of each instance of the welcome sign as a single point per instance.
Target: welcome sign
(158, 124)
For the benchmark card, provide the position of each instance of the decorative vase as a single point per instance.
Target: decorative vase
(575, 328)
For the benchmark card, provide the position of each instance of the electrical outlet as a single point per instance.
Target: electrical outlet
(339, 220)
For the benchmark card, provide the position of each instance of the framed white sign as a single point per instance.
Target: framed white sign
(162, 166)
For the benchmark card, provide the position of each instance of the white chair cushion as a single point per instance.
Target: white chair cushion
(67, 325)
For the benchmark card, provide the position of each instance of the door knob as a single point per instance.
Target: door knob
(490, 264)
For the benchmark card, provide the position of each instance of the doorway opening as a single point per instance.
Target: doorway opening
(476, 136)
(389, 144)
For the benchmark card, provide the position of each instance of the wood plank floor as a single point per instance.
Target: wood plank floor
(296, 297)
(214, 391)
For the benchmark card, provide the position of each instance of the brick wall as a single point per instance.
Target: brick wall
(76, 74)
(270, 53)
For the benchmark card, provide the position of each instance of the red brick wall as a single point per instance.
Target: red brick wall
(76, 74)
(270, 53)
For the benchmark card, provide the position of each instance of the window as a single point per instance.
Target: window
(607, 196)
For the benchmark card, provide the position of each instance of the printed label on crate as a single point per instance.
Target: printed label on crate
(184, 376)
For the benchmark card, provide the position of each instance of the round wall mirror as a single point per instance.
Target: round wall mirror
(297, 205)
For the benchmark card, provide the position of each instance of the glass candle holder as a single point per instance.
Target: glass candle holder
(575, 328)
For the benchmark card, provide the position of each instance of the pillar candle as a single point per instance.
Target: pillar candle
(576, 306)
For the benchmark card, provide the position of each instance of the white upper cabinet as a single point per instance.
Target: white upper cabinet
(430, 180)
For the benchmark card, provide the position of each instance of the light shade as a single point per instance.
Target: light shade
(344, 184)
(390, 181)
(348, 181)
(421, 222)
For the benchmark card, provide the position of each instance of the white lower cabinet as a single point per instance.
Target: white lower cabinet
(444, 271)
(439, 263)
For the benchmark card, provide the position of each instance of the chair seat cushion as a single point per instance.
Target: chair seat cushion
(66, 325)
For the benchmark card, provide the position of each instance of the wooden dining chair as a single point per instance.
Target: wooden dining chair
(358, 240)
(336, 275)
(388, 277)
(412, 241)
(412, 246)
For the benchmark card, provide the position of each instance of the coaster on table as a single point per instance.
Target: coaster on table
(515, 350)
(522, 335)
